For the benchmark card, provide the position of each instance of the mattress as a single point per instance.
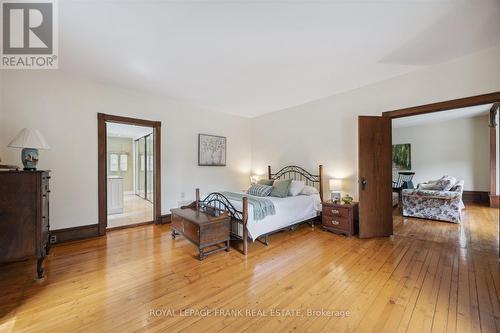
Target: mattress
(289, 210)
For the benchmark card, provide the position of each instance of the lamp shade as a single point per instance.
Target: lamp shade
(254, 179)
(335, 184)
(29, 138)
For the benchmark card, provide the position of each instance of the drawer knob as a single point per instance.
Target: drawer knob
(335, 212)
(335, 222)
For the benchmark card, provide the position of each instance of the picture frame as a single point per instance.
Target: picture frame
(336, 196)
(211, 150)
(401, 156)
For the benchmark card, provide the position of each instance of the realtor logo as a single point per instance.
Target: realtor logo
(29, 35)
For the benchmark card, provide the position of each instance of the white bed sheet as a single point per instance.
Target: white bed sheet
(289, 210)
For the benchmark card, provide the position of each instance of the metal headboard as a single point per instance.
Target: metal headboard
(297, 173)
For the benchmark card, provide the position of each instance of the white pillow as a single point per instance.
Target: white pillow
(296, 186)
(309, 190)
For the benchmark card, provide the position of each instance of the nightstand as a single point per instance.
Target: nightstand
(340, 218)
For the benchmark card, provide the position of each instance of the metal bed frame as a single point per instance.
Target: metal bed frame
(216, 203)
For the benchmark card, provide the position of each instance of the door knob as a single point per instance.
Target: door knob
(363, 183)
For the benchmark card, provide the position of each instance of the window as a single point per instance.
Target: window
(113, 162)
(123, 162)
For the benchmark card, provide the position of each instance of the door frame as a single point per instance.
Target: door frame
(102, 119)
(459, 103)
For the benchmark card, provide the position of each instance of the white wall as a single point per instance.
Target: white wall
(459, 148)
(325, 131)
(65, 111)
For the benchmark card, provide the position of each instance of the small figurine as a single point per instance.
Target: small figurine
(347, 199)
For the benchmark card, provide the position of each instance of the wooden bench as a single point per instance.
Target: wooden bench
(202, 229)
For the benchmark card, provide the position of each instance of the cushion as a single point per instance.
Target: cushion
(428, 186)
(309, 190)
(296, 186)
(280, 188)
(458, 187)
(260, 190)
(268, 182)
(445, 184)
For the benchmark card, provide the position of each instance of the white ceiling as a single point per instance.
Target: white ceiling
(127, 131)
(428, 118)
(252, 57)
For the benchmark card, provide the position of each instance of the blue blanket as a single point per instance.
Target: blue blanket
(262, 207)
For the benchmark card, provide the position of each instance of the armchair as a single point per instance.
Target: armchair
(404, 181)
(434, 204)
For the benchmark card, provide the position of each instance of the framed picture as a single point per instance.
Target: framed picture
(336, 196)
(211, 150)
(401, 156)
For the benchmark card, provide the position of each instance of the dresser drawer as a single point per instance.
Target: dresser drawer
(336, 223)
(339, 212)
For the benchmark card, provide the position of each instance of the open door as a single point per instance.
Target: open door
(375, 176)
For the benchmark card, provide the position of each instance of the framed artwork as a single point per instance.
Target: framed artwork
(211, 150)
(401, 156)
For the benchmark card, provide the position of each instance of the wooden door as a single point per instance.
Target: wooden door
(375, 176)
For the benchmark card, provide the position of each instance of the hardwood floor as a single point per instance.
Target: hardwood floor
(429, 276)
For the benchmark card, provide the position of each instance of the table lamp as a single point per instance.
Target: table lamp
(335, 188)
(254, 179)
(30, 140)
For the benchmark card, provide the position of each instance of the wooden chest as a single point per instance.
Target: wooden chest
(340, 218)
(202, 229)
(24, 216)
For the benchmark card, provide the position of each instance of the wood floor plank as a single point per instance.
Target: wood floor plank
(440, 319)
(430, 276)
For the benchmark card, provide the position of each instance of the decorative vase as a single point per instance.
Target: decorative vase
(347, 199)
(29, 156)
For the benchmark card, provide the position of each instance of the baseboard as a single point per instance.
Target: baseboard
(127, 226)
(75, 233)
(167, 218)
(480, 197)
(495, 201)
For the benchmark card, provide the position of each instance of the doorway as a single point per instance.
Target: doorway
(374, 157)
(129, 168)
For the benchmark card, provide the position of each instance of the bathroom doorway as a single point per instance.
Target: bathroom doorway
(129, 172)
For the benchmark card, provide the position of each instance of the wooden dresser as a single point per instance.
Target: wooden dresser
(340, 218)
(202, 229)
(24, 216)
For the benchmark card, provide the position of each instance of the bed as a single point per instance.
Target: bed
(289, 211)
